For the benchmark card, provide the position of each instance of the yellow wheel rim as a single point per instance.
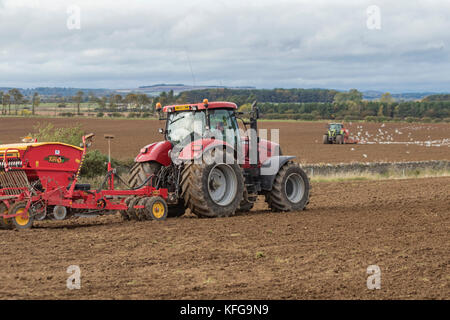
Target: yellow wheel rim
(158, 210)
(21, 221)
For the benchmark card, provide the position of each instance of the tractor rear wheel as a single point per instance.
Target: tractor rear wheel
(212, 190)
(325, 139)
(290, 190)
(5, 223)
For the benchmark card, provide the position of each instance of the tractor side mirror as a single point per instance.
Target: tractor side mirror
(255, 110)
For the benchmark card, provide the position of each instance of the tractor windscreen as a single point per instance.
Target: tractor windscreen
(180, 125)
(335, 127)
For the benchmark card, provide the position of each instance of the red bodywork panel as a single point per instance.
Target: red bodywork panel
(52, 163)
(195, 149)
(201, 106)
(158, 152)
(48, 161)
(266, 150)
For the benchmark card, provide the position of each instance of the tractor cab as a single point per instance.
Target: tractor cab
(335, 128)
(187, 123)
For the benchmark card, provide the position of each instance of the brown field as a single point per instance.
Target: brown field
(322, 253)
(302, 139)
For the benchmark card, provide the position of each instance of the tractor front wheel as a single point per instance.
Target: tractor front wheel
(325, 139)
(290, 190)
(340, 139)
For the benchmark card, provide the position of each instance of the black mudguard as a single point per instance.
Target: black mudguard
(270, 169)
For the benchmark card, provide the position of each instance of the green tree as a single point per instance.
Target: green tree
(18, 97)
(6, 101)
(387, 98)
(35, 102)
(78, 99)
(381, 111)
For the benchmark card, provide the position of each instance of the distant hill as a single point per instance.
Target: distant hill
(264, 95)
(437, 98)
(60, 92)
(408, 96)
(156, 89)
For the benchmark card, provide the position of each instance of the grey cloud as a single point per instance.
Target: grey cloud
(262, 43)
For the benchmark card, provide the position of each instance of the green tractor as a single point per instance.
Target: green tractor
(336, 133)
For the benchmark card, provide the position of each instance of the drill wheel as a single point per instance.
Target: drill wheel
(124, 213)
(156, 208)
(5, 223)
(131, 212)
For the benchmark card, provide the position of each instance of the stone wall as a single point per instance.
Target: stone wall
(374, 167)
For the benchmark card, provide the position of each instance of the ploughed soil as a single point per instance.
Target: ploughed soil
(389, 142)
(402, 226)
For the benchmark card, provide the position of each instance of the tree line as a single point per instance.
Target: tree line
(298, 104)
(243, 96)
(113, 102)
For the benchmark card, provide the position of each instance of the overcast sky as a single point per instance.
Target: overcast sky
(261, 43)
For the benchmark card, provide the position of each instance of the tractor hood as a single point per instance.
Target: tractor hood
(158, 152)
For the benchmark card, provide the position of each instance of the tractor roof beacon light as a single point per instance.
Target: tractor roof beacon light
(208, 122)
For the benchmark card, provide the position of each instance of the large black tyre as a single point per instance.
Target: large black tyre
(124, 213)
(212, 190)
(140, 172)
(325, 139)
(5, 223)
(156, 208)
(340, 139)
(131, 212)
(290, 190)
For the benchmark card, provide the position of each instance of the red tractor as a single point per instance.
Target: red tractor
(210, 168)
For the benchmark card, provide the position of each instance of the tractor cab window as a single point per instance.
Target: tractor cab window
(181, 125)
(335, 127)
(224, 126)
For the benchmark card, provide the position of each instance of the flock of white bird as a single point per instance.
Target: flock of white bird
(398, 136)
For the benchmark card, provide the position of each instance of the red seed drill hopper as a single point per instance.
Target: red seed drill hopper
(39, 181)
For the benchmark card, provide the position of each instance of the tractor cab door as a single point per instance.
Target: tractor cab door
(224, 127)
